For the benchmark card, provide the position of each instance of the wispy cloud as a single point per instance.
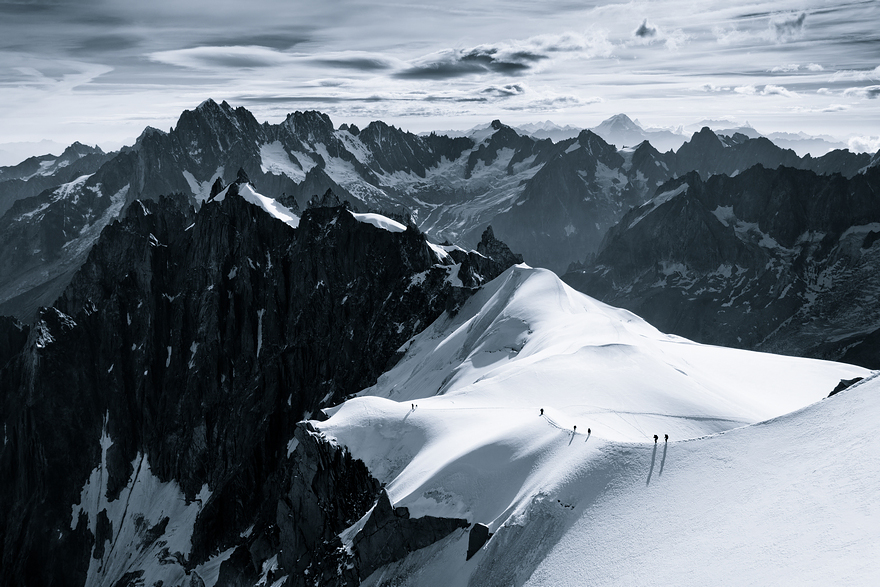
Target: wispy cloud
(767, 90)
(773, 90)
(552, 103)
(869, 92)
(713, 88)
(451, 63)
(732, 36)
(506, 58)
(507, 91)
(648, 33)
(787, 27)
(856, 75)
(826, 109)
(356, 61)
(210, 58)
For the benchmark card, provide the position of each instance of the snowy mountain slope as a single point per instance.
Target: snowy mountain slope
(786, 502)
(35, 174)
(46, 237)
(527, 341)
(549, 130)
(476, 445)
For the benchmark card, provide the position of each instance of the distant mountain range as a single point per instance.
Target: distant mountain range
(552, 201)
(781, 260)
(622, 131)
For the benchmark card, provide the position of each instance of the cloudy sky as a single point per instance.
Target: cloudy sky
(99, 71)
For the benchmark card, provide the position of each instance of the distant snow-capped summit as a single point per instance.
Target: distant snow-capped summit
(621, 131)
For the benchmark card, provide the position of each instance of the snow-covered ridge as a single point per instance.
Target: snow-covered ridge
(379, 221)
(270, 205)
(534, 410)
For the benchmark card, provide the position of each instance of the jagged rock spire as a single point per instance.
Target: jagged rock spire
(493, 248)
(328, 200)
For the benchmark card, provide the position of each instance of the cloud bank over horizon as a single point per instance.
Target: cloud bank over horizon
(102, 70)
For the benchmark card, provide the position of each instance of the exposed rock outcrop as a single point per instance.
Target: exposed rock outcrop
(180, 357)
(389, 534)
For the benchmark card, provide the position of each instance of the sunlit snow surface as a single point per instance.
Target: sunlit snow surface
(610, 507)
(270, 205)
(379, 221)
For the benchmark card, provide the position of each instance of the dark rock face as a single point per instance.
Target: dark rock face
(389, 534)
(778, 260)
(327, 200)
(565, 209)
(13, 337)
(182, 354)
(844, 383)
(326, 491)
(478, 536)
(476, 265)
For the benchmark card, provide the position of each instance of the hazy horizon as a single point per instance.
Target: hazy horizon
(100, 71)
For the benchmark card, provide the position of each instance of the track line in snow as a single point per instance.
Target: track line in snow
(619, 413)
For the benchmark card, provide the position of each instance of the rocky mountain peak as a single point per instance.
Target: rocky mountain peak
(328, 200)
(491, 247)
(705, 136)
(242, 177)
(210, 120)
(148, 132)
(207, 105)
(216, 188)
(78, 150)
(644, 150)
(310, 126)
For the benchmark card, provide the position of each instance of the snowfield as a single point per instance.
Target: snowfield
(379, 221)
(759, 484)
(269, 205)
